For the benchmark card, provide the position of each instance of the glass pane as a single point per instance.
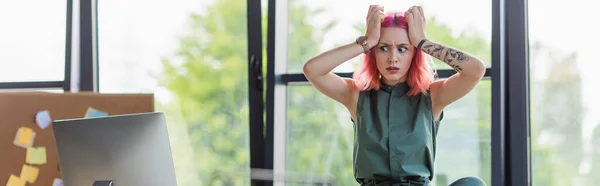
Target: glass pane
(320, 137)
(318, 26)
(464, 138)
(32, 40)
(565, 145)
(192, 56)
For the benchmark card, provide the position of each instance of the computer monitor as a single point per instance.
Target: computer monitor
(125, 150)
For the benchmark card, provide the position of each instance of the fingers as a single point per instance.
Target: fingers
(409, 16)
(414, 11)
(375, 8)
(375, 12)
(421, 12)
(372, 9)
(380, 13)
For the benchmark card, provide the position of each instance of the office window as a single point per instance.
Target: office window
(319, 137)
(32, 40)
(564, 93)
(317, 26)
(192, 56)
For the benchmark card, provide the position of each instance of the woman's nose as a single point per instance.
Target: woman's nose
(394, 57)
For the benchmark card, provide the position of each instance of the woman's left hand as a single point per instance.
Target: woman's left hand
(416, 24)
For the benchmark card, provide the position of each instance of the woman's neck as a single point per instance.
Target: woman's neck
(393, 82)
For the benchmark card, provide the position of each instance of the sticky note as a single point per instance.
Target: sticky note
(43, 119)
(36, 155)
(29, 173)
(92, 113)
(15, 181)
(24, 137)
(57, 182)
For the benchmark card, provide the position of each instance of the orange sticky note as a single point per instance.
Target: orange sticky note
(15, 181)
(29, 173)
(36, 155)
(24, 137)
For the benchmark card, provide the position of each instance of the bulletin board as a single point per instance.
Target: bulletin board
(19, 109)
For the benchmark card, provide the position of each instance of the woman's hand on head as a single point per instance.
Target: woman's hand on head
(374, 18)
(416, 24)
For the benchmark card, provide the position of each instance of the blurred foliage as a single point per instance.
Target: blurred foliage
(208, 79)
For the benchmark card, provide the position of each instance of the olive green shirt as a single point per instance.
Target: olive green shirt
(394, 136)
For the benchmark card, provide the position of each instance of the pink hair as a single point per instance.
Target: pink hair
(419, 75)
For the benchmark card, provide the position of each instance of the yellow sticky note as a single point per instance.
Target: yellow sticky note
(36, 155)
(29, 173)
(15, 181)
(24, 137)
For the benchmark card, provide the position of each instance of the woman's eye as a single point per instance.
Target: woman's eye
(402, 49)
(383, 48)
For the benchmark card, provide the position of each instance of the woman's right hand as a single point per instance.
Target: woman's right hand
(374, 18)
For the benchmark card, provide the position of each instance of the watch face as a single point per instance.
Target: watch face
(362, 40)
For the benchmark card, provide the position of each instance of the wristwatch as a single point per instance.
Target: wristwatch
(362, 40)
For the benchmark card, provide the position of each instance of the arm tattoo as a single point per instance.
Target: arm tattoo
(434, 50)
(448, 55)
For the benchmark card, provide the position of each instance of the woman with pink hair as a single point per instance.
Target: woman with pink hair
(395, 104)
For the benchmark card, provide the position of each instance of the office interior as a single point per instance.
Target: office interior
(227, 74)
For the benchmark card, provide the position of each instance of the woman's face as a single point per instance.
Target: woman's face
(393, 55)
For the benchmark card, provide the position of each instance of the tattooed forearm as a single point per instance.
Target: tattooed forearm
(454, 58)
(435, 50)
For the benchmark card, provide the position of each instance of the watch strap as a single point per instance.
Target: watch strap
(366, 48)
(362, 41)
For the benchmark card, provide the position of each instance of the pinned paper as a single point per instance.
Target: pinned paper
(29, 173)
(92, 113)
(24, 137)
(57, 182)
(36, 155)
(15, 181)
(43, 119)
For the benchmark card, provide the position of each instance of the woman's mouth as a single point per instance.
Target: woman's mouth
(392, 69)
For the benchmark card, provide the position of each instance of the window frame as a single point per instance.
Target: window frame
(65, 84)
(509, 75)
(510, 102)
(80, 52)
